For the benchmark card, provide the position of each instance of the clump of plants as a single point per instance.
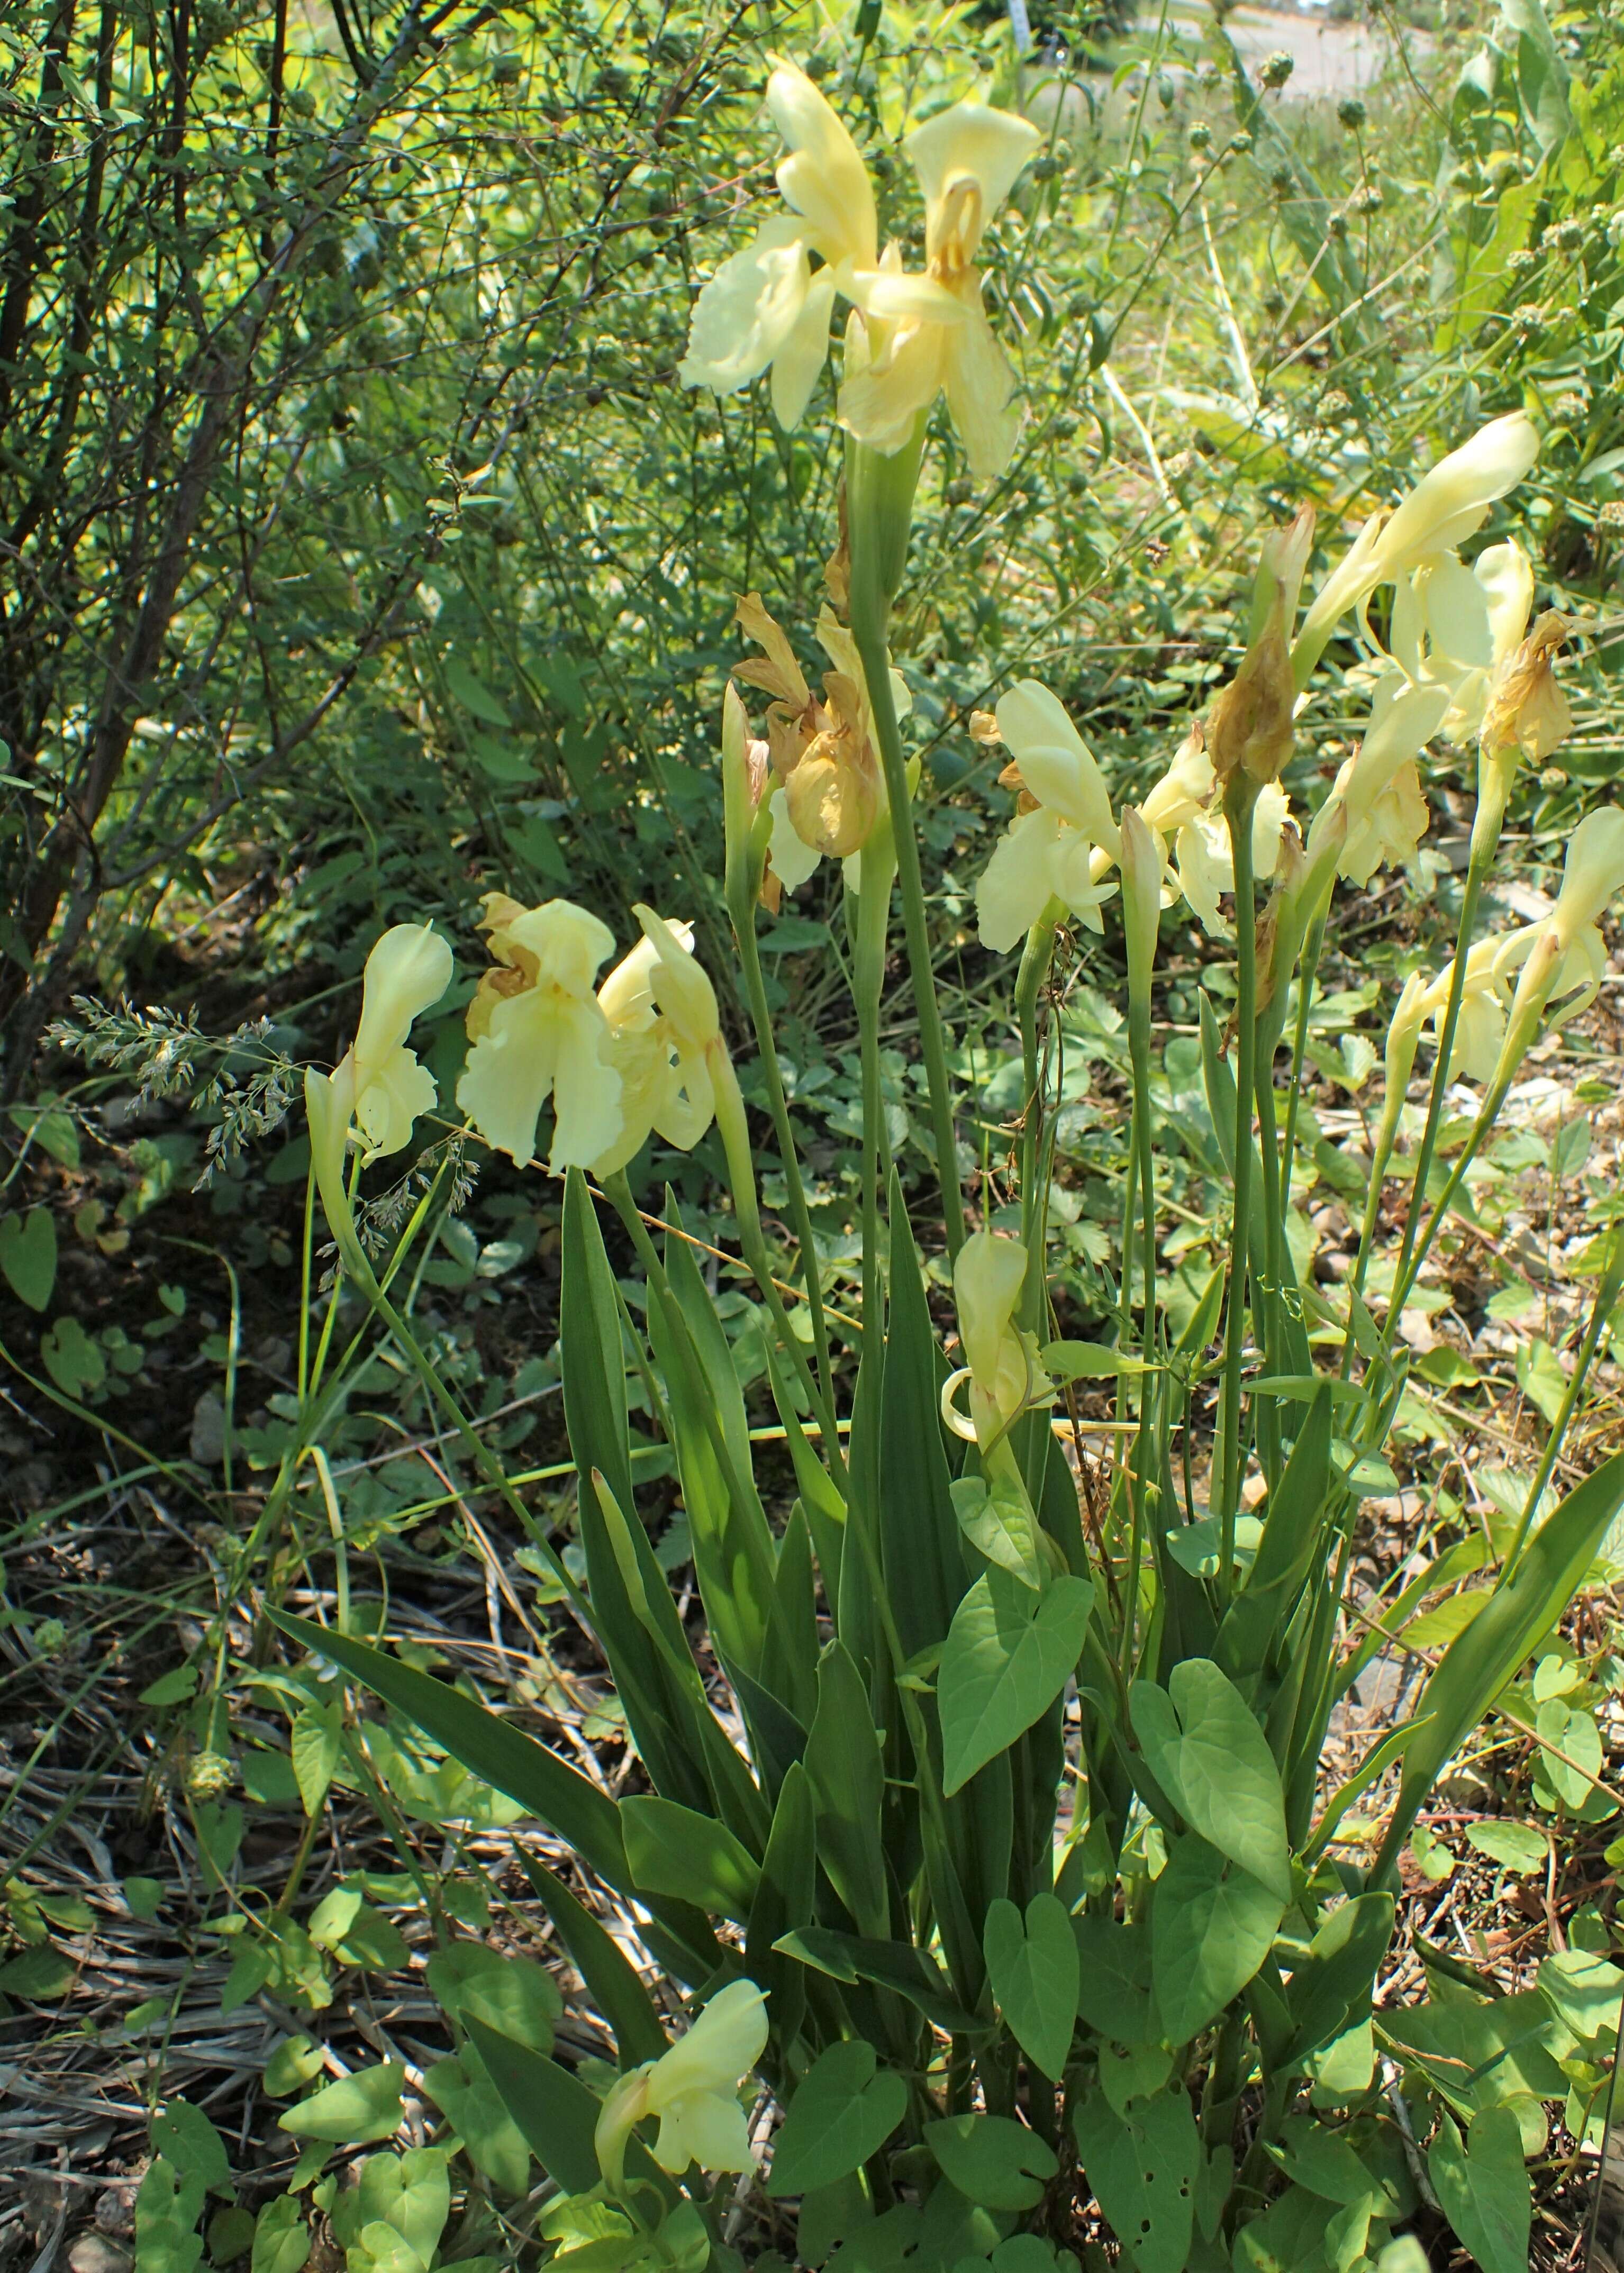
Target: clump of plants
(993, 1861)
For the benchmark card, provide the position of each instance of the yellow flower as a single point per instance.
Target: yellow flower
(1204, 854)
(1001, 1362)
(1458, 627)
(1446, 507)
(694, 2090)
(826, 785)
(1376, 803)
(664, 1028)
(378, 1083)
(1480, 1026)
(1048, 850)
(766, 306)
(537, 1031)
(939, 341)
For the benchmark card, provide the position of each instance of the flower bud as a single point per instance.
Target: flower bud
(1249, 728)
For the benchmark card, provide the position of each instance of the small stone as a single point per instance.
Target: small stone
(116, 2210)
(93, 2253)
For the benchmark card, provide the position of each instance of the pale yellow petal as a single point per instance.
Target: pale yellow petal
(748, 312)
(824, 177)
(1014, 889)
(990, 146)
(799, 363)
(980, 384)
(406, 973)
(793, 859)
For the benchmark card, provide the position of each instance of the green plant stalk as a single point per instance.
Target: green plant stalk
(1607, 1292)
(1240, 796)
(1034, 965)
(800, 1215)
(1274, 1262)
(734, 1131)
(1308, 971)
(871, 596)
(1478, 868)
(873, 923)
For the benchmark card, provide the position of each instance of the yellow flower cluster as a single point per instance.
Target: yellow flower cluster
(639, 1054)
(768, 309)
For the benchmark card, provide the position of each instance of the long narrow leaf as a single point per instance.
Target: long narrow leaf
(1480, 1660)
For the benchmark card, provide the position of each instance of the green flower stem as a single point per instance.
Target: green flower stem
(869, 611)
(1034, 967)
(872, 924)
(1274, 1263)
(1478, 868)
(1607, 1292)
(800, 1215)
(1308, 972)
(1240, 796)
(735, 1135)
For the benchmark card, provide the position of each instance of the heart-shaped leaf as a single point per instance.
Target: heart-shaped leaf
(1484, 2190)
(1217, 1766)
(356, 2108)
(1034, 1968)
(844, 2109)
(993, 2159)
(1006, 1659)
(1211, 1925)
(28, 1256)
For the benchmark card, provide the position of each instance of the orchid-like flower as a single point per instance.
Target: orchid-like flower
(378, 1084)
(1480, 1025)
(1458, 627)
(766, 306)
(822, 778)
(539, 1030)
(1001, 1362)
(1376, 806)
(664, 1030)
(694, 2090)
(1447, 505)
(1062, 822)
(936, 340)
(1563, 955)
(1203, 865)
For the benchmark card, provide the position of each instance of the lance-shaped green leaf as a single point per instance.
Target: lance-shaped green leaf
(898, 1965)
(847, 1777)
(488, 1746)
(613, 1985)
(591, 1347)
(1035, 1967)
(1480, 1660)
(919, 1534)
(785, 1899)
(1292, 1527)
(1329, 1991)
(674, 1851)
(701, 1760)
(554, 2111)
(504, 1757)
(733, 1551)
(1208, 1753)
(1008, 1655)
